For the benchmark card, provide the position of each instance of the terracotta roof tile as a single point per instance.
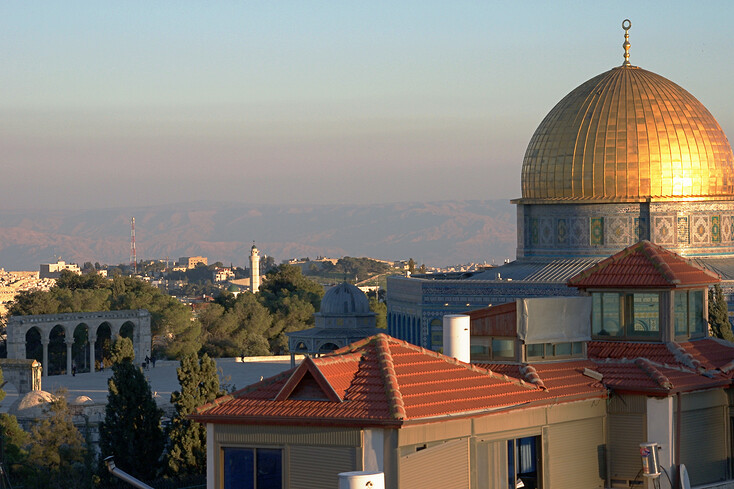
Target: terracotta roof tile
(382, 380)
(644, 264)
(662, 368)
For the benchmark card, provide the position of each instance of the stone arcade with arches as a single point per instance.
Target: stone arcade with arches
(84, 335)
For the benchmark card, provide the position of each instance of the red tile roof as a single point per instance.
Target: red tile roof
(644, 264)
(384, 381)
(660, 368)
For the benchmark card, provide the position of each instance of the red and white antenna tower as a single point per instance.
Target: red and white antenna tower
(133, 253)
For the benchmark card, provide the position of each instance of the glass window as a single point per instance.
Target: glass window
(536, 350)
(681, 312)
(523, 463)
(253, 468)
(578, 348)
(596, 322)
(479, 348)
(697, 324)
(618, 315)
(611, 317)
(562, 349)
(645, 314)
(503, 349)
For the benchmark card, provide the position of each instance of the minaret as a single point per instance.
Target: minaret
(254, 269)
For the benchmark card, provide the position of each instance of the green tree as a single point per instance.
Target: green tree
(15, 440)
(122, 350)
(292, 299)
(719, 314)
(235, 326)
(411, 266)
(131, 429)
(56, 450)
(199, 384)
(380, 308)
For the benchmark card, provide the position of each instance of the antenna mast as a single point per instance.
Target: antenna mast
(133, 253)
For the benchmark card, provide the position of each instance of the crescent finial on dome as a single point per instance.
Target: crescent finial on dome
(626, 25)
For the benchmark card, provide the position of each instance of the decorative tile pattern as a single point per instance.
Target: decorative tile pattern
(683, 234)
(618, 230)
(547, 234)
(534, 231)
(663, 230)
(579, 231)
(700, 229)
(726, 228)
(562, 231)
(716, 229)
(597, 231)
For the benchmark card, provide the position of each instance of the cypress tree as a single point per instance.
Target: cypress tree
(187, 439)
(131, 429)
(719, 314)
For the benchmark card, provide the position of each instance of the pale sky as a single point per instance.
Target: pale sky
(108, 104)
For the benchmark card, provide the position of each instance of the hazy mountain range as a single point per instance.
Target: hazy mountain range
(435, 233)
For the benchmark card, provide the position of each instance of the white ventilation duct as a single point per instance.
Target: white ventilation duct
(456, 336)
(362, 480)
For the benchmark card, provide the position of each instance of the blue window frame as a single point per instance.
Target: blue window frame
(253, 468)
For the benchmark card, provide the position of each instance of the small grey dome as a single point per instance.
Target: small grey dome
(344, 299)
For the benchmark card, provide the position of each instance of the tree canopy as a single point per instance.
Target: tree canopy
(292, 299)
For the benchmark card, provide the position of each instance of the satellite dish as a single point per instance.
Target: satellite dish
(685, 482)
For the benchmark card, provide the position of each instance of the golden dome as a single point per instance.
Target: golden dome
(628, 135)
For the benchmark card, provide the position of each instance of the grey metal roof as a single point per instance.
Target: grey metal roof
(558, 270)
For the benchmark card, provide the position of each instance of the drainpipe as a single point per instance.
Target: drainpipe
(110, 461)
(678, 414)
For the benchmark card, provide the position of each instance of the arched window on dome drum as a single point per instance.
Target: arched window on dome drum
(328, 347)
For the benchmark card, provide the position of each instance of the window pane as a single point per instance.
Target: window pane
(535, 351)
(511, 463)
(610, 314)
(646, 315)
(239, 468)
(563, 349)
(578, 348)
(479, 348)
(596, 318)
(695, 310)
(681, 312)
(269, 471)
(503, 349)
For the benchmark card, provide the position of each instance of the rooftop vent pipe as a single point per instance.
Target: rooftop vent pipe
(456, 337)
(110, 461)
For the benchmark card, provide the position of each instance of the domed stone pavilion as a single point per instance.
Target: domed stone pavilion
(344, 317)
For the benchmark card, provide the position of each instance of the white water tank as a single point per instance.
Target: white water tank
(456, 336)
(362, 480)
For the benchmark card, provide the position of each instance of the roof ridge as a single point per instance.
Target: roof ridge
(387, 370)
(532, 376)
(652, 252)
(684, 357)
(652, 371)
